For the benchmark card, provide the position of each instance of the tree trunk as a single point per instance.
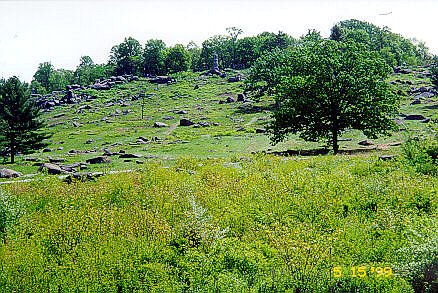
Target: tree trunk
(335, 141)
(335, 127)
(12, 150)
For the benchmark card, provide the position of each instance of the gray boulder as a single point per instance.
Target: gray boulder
(365, 142)
(160, 124)
(230, 100)
(52, 169)
(415, 117)
(185, 122)
(99, 160)
(8, 173)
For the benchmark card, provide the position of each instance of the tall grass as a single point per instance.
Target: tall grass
(264, 224)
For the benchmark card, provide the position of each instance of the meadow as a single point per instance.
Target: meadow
(207, 210)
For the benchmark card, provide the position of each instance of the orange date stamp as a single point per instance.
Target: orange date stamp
(361, 271)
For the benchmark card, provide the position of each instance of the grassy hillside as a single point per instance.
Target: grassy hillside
(112, 120)
(198, 211)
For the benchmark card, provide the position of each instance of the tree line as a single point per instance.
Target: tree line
(155, 58)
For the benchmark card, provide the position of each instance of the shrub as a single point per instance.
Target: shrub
(10, 211)
(421, 154)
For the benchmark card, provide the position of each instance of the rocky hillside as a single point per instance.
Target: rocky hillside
(121, 122)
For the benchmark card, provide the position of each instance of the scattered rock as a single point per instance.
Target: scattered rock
(56, 160)
(160, 124)
(76, 124)
(90, 141)
(162, 80)
(59, 115)
(260, 130)
(130, 156)
(181, 112)
(414, 117)
(52, 169)
(424, 95)
(31, 159)
(168, 118)
(387, 157)
(139, 162)
(241, 97)
(416, 102)
(230, 100)
(185, 122)
(365, 142)
(427, 120)
(8, 173)
(234, 78)
(82, 176)
(99, 160)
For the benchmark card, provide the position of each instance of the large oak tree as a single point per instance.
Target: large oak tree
(325, 87)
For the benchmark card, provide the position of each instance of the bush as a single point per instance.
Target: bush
(10, 211)
(421, 154)
(419, 264)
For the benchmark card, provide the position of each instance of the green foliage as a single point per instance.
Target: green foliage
(434, 72)
(325, 87)
(154, 55)
(87, 71)
(20, 127)
(42, 75)
(421, 153)
(59, 79)
(271, 225)
(126, 57)
(418, 262)
(219, 45)
(11, 210)
(177, 59)
(395, 49)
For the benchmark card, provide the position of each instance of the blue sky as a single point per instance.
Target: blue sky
(61, 32)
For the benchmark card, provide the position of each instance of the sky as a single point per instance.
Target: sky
(60, 32)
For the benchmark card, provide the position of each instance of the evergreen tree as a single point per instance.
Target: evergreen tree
(20, 128)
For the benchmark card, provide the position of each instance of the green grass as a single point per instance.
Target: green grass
(208, 211)
(264, 224)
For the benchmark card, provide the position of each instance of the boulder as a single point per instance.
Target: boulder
(162, 80)
(230, 100)
(56, 160)
(234, 78)
(160, 124)
(424, 95)
(130, 156)
(241, 97)
(365, 142)
(260, 130)
(52, 169)
(387, 157)
(185, 122)
(99, 160)
(181, 112)
(100, 86)
(8, 173)
(82, 176)
(415, 117)
(168, 118)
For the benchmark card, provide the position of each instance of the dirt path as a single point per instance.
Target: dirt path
(171, 128)
(253, 120)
